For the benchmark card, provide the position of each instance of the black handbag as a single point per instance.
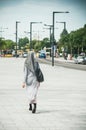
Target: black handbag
(38, 72)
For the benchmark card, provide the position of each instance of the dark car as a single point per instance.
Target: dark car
(42, 55)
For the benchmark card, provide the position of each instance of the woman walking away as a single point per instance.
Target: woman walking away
(30, 81)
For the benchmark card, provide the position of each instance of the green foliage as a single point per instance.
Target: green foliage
(23, 42)
(2, 43)
(6, 44)
(38, 45)
(9, 44)
(45, 43)
(64, 33)
(75, 41)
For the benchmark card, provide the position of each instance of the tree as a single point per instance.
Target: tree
(6, 44)
(45, 43)
(64, 33)
(2, 44)
(37, 46)
(64, 42)
(9, 44)
(23, 42)
(75, 41)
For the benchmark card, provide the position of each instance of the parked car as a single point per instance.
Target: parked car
(80, 60)
(84, 61)
(42, 55)
(25, 54)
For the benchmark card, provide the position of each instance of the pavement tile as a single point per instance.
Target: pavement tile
(61, 98)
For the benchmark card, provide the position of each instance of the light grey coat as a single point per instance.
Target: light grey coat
(29, 76)
(30, 79)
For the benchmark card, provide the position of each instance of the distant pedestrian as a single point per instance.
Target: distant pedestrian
(30, 81)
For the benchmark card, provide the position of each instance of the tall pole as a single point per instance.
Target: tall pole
(27, 33)
(63, 23)
(50, 29)
(53, 35)
(50, 34)
(30, 36)
(31, 46)
(53, 41)
(17, 36)
(16, 39)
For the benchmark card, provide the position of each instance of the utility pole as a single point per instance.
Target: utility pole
(31, 46)
(17, 36)
(53, 34)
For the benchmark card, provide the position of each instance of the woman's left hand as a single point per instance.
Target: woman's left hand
(23, 85)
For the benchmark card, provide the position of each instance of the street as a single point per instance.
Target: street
(61, 98)
(64, 63)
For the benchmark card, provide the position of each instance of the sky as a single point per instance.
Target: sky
(27, 11)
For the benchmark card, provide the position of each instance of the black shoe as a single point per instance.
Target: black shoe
(34, 109)
(30, 107)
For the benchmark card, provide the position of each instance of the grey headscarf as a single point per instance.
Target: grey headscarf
(29, 62)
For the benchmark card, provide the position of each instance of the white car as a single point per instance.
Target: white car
(25, 54)
(79, 60)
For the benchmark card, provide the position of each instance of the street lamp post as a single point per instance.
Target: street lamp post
(63, 23)
(53, 34)
(50, 29)
(16, 36)
(64, 33)
(31, 46)
(27, 32)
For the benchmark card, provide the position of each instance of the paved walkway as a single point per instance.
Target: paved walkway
(63, 60)
(61, 98)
